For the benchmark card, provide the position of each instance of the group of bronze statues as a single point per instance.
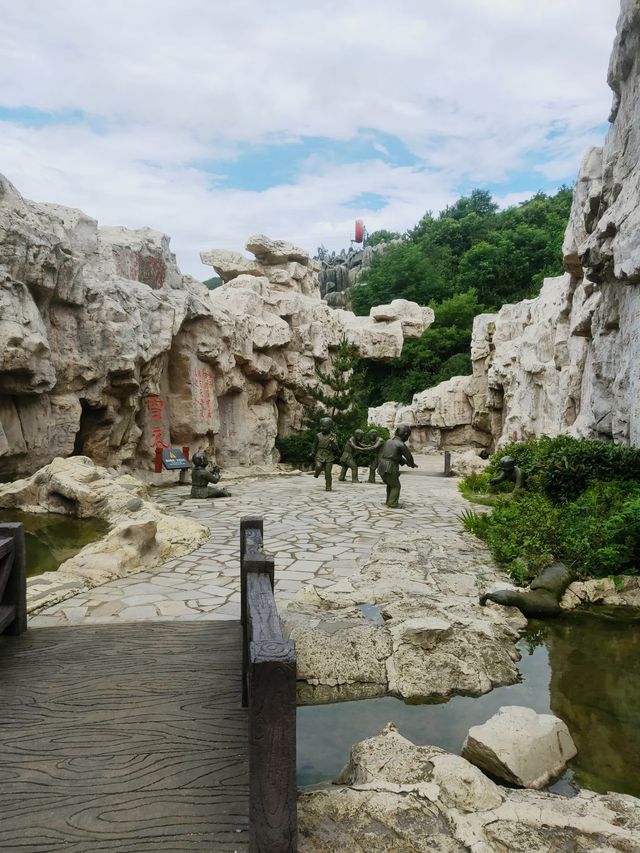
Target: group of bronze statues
(386, 457)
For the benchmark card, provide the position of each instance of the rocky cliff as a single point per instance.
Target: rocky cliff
(108, 351)
(569, 360)
(340, 273)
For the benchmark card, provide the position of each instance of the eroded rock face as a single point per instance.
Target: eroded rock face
(108, 351)
(395, 796)
(435, 641)
(141, 536)
(567, 362)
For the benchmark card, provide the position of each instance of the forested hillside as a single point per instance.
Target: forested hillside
(469, 259)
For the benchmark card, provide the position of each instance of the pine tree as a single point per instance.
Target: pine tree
(339, 395)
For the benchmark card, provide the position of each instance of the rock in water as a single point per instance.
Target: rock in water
(520, 746)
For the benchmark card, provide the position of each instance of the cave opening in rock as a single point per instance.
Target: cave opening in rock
(92, 419)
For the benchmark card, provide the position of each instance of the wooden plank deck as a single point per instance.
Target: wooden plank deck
(126, 738)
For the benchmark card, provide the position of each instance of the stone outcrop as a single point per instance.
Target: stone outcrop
(624, 591)
(520, 746)
(340, 273)
(108, 351)
(141, 536)
(433, 639)
(568, 361)
(395, 796)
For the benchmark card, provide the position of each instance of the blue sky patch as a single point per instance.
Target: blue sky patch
(31, 117)
(273, 163)
(367, 201)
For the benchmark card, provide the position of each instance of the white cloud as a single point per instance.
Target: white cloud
(472, 87)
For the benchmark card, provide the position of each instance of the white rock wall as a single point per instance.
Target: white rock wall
(108, 351)
(567, 362)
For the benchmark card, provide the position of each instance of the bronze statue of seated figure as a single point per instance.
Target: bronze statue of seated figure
(203, 480)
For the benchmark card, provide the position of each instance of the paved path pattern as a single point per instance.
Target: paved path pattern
(316, 537)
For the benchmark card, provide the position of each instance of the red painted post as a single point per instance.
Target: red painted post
(185, 453)
(158, 468)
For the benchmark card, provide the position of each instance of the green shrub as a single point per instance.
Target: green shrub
(475, 484)
(296, 448)
(562, 468)
(522, 533)
(476, 488)
(596, 535)
(475, 522)
(601, 530)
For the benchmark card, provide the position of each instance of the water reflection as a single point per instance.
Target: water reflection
(595, 688)
(585, 668)
(50, 539)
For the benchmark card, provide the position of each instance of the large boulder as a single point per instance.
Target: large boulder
(520, 746)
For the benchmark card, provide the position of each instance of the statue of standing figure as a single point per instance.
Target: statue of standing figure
(393, 454)
(376, 443)
(347, 460)
(325, 450)
(203, 481)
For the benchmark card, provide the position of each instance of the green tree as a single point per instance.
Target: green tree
(472, 251)
(382, 236)
(340, 395)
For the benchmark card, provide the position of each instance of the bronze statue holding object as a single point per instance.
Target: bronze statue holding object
(204, 480)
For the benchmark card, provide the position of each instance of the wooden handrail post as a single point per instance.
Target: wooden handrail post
(15, 592)
(272, 748)
(269, 693)
(251, 529)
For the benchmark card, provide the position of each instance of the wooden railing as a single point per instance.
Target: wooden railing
(269, 693)
(13, 580)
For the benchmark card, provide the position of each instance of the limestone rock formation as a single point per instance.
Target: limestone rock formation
(567, 361)
(520, 746)
(141, 536)
(108, 351)
(435, 640)
(623, 592)
(340, 273)
(395, 796)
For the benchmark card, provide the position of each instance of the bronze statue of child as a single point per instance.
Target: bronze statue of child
(509, 472)
(374, 448)
(203, 481)
(325, 450)
(347, 460)
(393, 454)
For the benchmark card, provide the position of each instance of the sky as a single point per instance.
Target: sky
(213, 120)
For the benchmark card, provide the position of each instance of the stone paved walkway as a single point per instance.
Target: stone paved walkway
(316, 537)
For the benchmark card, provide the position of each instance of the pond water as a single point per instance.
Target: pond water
(583, 667)
(50, 538)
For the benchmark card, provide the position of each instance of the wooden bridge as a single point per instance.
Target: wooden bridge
(134, 737)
